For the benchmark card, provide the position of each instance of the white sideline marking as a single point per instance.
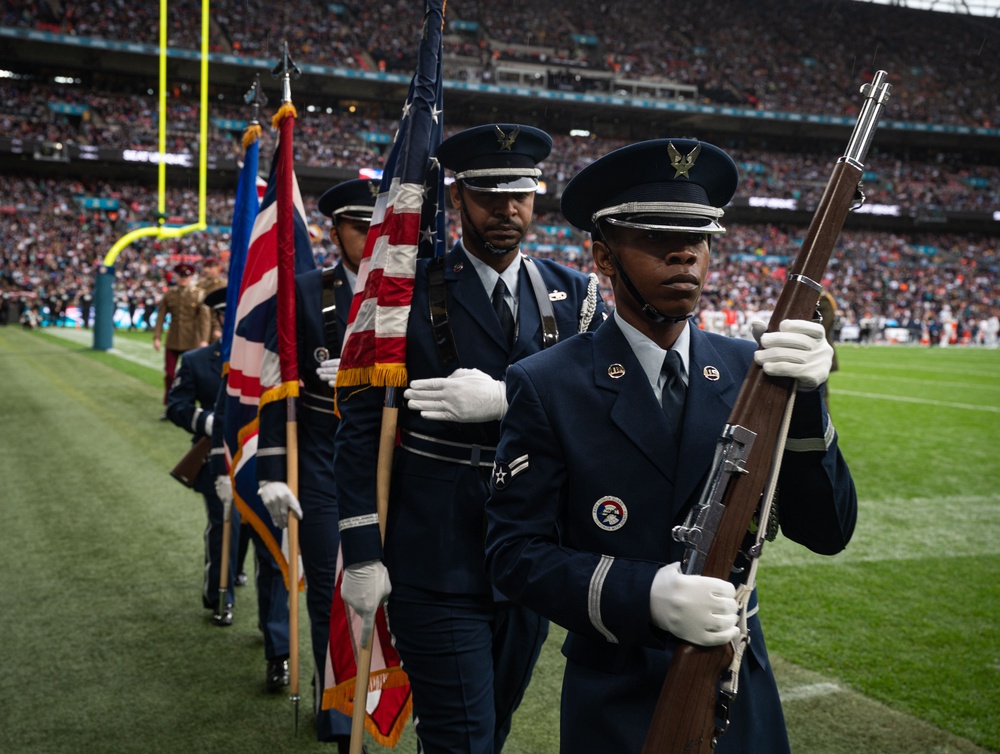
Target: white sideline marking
(895, 379)
(924, 401)
(908, 529)
(136, 352)
(808, 691)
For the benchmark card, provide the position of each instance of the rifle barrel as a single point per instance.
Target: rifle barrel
(685, 719)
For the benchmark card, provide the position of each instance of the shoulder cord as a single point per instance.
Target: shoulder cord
(589, 304)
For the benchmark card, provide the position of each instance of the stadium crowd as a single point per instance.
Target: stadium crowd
(810, 61)
(924, 180)
(944, 66)
(52, 247)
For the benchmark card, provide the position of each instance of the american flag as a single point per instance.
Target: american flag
(406, 223)
(255, 373)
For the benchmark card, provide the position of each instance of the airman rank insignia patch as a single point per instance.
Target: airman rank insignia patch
(503, 473)
(610, 513)
(321, 355)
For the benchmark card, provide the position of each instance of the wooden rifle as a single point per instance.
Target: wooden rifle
(189, 466)
(692, 710)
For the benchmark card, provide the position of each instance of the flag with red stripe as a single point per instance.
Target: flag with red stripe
(405, 224)
(255, 368)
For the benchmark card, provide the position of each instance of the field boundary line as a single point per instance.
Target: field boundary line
(923, 401)
(138, 353)
(916, 381)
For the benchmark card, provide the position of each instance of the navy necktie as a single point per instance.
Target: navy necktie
(673, 391)
(504, 314)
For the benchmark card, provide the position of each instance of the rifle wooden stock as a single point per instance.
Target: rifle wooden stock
(684, 721)
(186, 470)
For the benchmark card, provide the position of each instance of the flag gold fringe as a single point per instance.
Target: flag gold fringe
(287, 110)
(251, 134)
(279, 393)
(355, 376)
(341, 698)
(390, 375)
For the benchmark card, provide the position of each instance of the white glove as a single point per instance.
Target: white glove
(697, 609)
(224, 489)
(327, 371)
(365, 587)
(278, 498)
(466, 395)
(798, 350)
(209, 422)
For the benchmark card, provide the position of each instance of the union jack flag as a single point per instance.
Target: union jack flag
(255, 371)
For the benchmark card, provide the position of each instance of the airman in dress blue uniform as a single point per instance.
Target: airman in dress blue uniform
(591, 475)
(323, 301)
(190, 405)
(468, 653)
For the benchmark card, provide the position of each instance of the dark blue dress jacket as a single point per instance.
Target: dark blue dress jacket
(577, 438)
(192, 399)
(434, 535)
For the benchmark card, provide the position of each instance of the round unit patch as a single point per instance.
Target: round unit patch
(321, 355)
(610, 513)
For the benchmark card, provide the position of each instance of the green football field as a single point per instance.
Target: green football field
(892, 646)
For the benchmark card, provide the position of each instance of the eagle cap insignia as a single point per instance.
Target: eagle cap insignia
(680, 162)
(373, 188)
(506, 141)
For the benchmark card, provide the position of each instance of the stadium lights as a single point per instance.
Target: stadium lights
(65, 80)
(582, 133)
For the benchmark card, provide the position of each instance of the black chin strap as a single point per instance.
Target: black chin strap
(647, 308)
(482, 239)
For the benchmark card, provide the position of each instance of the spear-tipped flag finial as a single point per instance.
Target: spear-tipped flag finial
(256, 98)
(286, 70)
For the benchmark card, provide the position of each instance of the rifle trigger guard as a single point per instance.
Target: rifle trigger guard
(859, 199)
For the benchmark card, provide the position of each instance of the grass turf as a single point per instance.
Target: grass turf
(106, 648)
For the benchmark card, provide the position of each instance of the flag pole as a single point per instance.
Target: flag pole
(370, 354)
(284, 70)
(383, 478)
(255, 97)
